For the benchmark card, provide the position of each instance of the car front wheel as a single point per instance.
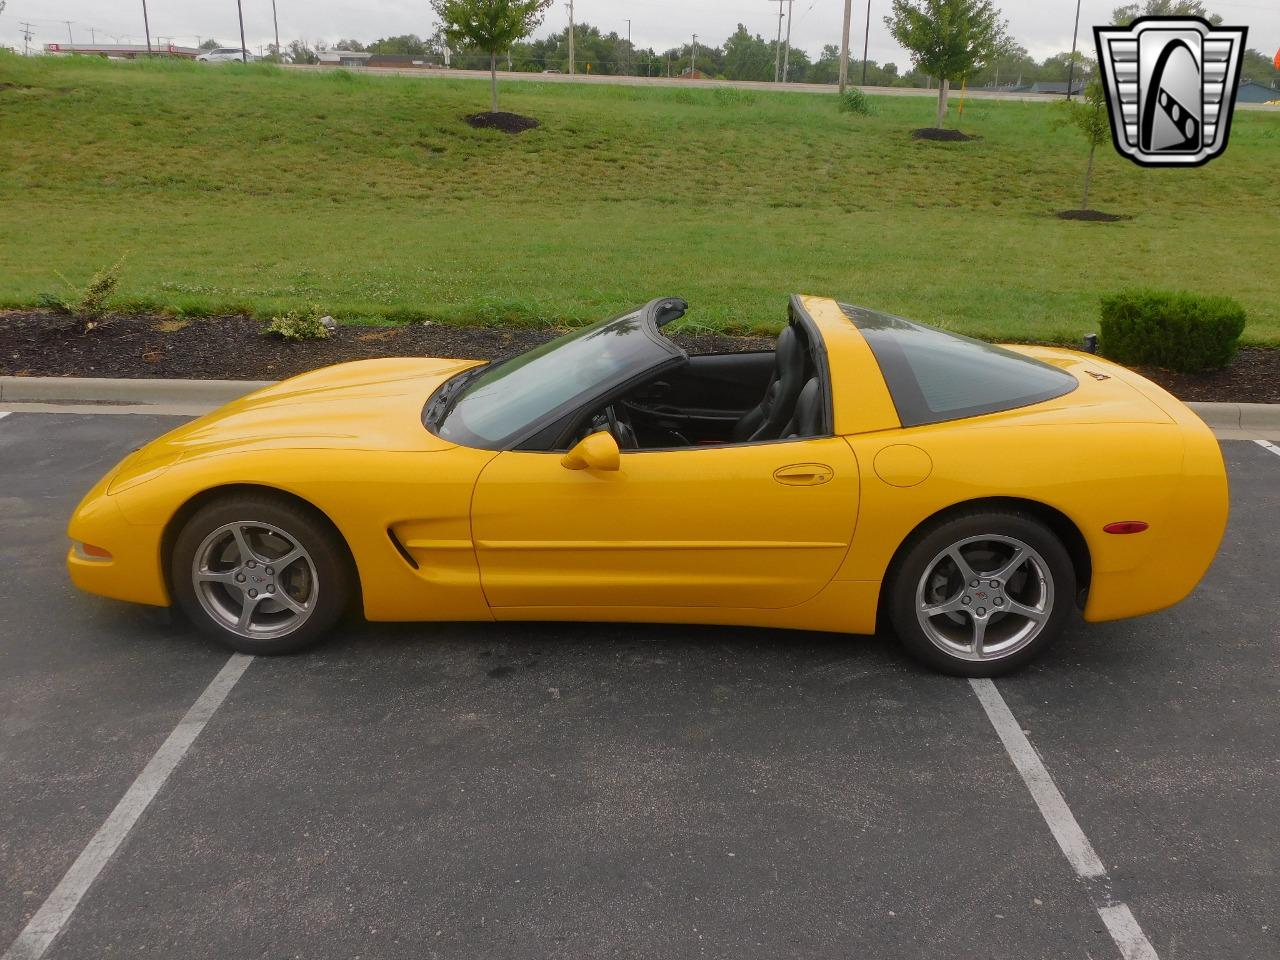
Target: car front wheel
(261, 575)
(982, 594)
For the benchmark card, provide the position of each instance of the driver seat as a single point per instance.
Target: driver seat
(766, 420)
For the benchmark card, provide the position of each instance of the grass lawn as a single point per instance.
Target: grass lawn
(256, 189)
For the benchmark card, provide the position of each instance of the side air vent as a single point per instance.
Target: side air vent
(408, 557)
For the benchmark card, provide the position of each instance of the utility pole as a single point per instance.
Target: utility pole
(26, 39)
(276, 23)
(1071, 70)
(146, 24)
(628, 46)
(571, 66)
(844, 46)
(786, 57)
(244, 54)
(866, 44)
(93, 37)
(70, 41)
(777, 46)
(693, 57)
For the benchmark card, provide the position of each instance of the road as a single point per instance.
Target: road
(591, 791)
(589, 79)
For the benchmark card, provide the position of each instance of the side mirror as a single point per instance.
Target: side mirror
(598, 451)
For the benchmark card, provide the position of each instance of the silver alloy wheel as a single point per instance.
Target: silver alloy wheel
(984, 598)
(255, 580)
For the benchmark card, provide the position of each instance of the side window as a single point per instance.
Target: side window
(934, 375)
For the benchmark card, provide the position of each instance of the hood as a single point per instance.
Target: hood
(365, 405)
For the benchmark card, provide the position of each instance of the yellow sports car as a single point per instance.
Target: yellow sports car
(867, 471)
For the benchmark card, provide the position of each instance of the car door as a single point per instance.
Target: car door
(744, 525)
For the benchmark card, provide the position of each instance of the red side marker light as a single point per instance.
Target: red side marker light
(1126, 526)
(95, 553)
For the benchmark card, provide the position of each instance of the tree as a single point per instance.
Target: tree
(947, 38)
(747, 57)
(210, 44)
(406, 45)
(1123, 16)
(1089, 116)
(1259, 67)
(491, 26)
(299, 52)
(355, 46)
(1058, 67)
(1008, 67)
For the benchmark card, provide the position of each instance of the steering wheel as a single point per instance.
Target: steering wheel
(621, 429)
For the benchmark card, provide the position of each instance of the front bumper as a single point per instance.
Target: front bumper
(134, 571)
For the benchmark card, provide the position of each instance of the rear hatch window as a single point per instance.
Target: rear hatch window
(935, 376)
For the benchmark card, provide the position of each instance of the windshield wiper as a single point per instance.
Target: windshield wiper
(441, 403)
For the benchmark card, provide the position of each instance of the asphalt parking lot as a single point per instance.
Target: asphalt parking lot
(590, 791)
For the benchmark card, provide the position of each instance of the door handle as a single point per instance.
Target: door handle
(804, 474)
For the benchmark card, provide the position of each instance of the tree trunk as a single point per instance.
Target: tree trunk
(493, 81)
(943, 88)
(1088, 175)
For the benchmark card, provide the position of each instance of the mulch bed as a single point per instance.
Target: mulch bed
(1096, 216)
(506, 122)
(39, 344)
(944, 134)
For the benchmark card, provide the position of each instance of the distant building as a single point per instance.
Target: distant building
(1057, 86)
(418, 62)
(687, 74)
(344, 58)
(122, 51)
(1251, 91)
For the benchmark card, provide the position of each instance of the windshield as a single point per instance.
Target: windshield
(501, 404)
(934, 375)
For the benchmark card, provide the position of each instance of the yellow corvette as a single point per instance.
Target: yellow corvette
(869, 470)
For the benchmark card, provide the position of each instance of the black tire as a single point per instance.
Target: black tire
(330, 576)
(921, 555)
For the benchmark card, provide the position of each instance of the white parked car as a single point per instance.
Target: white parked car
(226, 55)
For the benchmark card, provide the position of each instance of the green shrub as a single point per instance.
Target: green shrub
(298, 325)
(89, 302)
(1185, 332)
(854, 100)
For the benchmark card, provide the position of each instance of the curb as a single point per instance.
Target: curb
(1239, 416)
(98, 390)
(1220, 416)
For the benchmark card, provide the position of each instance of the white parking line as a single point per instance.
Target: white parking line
(54, 913)
(1268, 445)
(1119, 919)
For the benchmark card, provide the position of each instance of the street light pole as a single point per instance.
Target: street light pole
(844, 46)
(786, 56)
(276, 23)
(571, 65)
(244, 54)
(1071, 69)
(777, 47)
(866, 44)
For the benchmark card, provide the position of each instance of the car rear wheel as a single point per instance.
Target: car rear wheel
(262, 575)
(982, 594)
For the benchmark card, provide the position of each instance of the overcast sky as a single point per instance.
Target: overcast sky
(1042, 26)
